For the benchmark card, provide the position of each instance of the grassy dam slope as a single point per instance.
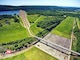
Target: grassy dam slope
(34, 29)
(64, 29)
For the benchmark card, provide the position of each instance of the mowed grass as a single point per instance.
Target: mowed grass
(64, 29)
(32, 54)
(76, 42)
(34, 29)
(32, 18)
(12, 32)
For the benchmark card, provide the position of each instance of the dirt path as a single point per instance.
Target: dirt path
(26, 24)
(37, 20)
(78, 23)
(53, 52)
(72, 35)
(23, 16)
(59, 41)
(14, 54)
(46, 49)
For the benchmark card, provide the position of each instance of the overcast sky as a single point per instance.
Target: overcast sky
(71, 3)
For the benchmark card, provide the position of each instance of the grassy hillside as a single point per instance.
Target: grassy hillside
(32, 18)
(76, 42)
(10, 30)
(34, 29)
(17, 45)
(32, 54)
(64, 28)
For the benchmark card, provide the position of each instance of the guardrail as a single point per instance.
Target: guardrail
(58, 47)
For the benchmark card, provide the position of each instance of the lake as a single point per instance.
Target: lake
(9, 12)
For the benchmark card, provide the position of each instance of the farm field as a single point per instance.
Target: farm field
(32, 54)
(12, 31)
(64, 29)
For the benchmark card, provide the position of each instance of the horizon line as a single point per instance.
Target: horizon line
(41, 5)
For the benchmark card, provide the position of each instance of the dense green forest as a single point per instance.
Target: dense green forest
(27, 8)
(44, 10)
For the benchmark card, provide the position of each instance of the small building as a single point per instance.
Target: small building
(8, 52)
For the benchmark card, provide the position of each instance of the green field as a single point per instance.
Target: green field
(32, 18)
(76, 42)
(17, 45)
(12, 31)
(32, 54)
(64, 29)
(34, 29)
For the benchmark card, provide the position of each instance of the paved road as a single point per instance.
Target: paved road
(58, 47)
(48, 43)
(72, 35)
(53, 45)
(51, 51)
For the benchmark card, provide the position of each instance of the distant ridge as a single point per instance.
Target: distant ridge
(9, 7)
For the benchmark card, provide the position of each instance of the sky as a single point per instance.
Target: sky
(70, 3)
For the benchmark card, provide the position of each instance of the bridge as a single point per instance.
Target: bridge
(58, 47)
(48, 43)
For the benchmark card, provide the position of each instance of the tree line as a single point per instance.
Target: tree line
(48, 24)
(18, 44)
(7, 18)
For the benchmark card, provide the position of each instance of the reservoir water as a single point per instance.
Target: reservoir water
(9, 12)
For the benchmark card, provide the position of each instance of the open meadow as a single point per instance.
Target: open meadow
(11, 30)
(32, 54)
(64, 29)
(34, 29)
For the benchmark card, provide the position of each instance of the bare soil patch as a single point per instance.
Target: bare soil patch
(58, 40)
(23, 16)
